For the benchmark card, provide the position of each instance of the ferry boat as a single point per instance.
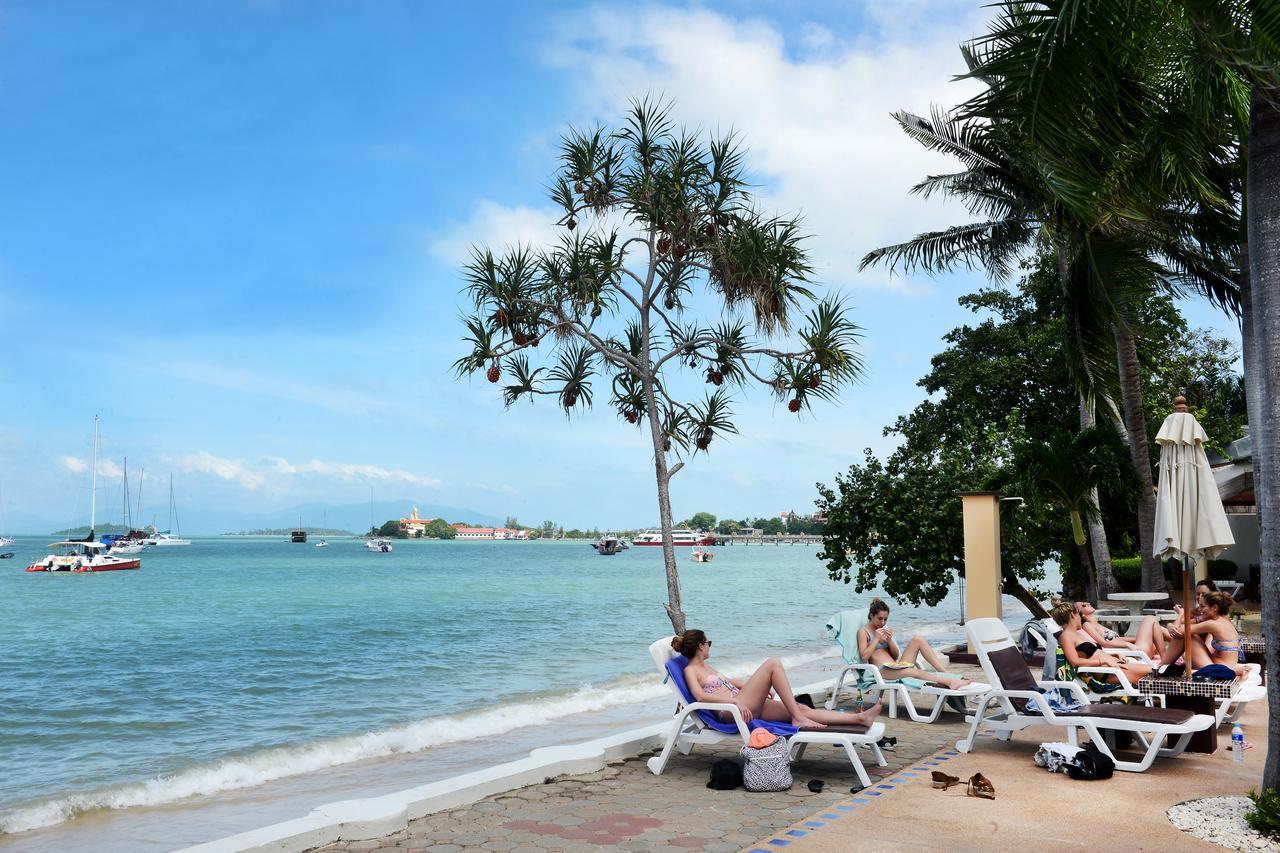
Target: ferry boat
(679, 537)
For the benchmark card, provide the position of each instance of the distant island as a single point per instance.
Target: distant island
(285, 531)
(84, 531)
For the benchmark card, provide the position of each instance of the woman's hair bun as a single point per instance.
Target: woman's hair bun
(677, 641)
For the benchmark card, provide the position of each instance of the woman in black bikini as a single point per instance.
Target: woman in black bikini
(1079, 649)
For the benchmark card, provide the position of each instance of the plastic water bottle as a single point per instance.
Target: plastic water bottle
(1237, 742)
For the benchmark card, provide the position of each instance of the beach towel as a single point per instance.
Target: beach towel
(845, 624)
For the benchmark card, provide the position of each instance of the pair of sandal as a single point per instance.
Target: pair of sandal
(977, 786)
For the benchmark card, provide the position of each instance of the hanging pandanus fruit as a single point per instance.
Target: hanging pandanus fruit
(704, 440)
(494, 372)
(815, 380)
(570, 399)
(715, 377)
(501, 317)
(794, 405)
(664, 245)
(520, 338)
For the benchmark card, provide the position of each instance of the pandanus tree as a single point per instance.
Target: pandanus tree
(666, 276)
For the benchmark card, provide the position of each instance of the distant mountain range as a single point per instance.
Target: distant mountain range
(200, 522)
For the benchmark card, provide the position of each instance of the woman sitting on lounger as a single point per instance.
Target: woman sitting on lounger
(1150, 639)
(1079, 649)
(1216, 640)
(752, 694)
(877, 646)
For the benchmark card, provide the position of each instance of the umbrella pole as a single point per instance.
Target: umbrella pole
(1186, 616)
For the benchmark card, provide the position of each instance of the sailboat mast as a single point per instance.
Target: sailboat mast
(127, 525)
(93, 490)
(142, 476)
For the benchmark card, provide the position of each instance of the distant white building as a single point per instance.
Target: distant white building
(465, 532)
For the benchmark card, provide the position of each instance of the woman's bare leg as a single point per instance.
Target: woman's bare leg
(919, 646)
(950, 682)
(771, 676)
(1146, 639)
(1199, 655)
(774, 710)
(1172, 649)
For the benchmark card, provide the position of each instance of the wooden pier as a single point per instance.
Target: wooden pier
(768, 539)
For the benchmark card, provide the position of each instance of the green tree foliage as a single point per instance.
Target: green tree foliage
(666, 266)
(392, 530)
(438, 528)
(701, 521)
(997, 391)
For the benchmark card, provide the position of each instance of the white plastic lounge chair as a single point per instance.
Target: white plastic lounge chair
(696, 723)
(867, 678)
(1013, 686)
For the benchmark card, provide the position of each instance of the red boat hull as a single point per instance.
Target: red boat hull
(120, 566)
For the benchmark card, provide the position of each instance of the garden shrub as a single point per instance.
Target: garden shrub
(1223, 570)
(1128, 572)
(1265, 816)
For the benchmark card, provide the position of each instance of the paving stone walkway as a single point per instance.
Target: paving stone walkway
(625, 807)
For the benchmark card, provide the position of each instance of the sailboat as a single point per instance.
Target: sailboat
(4, 540)
(376, 543)
(85, 555)
(163, 537)
(124, 543)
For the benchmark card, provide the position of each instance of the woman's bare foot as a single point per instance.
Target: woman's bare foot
(867, 716)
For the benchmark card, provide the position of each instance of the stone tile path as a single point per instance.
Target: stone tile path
(625, 807)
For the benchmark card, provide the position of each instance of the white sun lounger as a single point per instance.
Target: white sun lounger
(858, 675)
(691, 726)
(1013, 685)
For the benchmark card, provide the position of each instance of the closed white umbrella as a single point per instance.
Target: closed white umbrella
(1190, 520)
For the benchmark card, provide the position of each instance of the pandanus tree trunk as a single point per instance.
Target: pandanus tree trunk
(1263, 318)
(1135, 422)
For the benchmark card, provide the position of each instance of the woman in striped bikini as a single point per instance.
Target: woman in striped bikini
(752, 695)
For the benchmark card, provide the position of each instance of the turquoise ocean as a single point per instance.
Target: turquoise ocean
(241, 681)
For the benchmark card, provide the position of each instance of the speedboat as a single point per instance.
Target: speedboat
(702, 556)
(4, 540)
(382, 546)
(322, 544)
(7, 555)
(679, 537)
(608, 546)
(74, 556)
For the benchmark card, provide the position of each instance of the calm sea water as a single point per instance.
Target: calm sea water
(232, 663)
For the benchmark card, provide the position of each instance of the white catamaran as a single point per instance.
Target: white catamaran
(164, 537)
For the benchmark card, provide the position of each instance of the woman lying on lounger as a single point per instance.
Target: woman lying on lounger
(877, 646)
(752, 694)
(1150, 639)
(1079, 649)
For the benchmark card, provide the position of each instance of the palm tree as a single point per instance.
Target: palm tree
(1072, 465)
(1070, 61)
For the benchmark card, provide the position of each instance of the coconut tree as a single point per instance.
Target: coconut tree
(665, 267)
(1065, 62)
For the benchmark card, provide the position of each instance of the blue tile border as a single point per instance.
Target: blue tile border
(778, 842)
(814, 824)
(797, 833)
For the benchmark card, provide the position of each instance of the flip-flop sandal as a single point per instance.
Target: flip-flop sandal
(944, 780)
(980, 786)
(816, 785)
(888, 744)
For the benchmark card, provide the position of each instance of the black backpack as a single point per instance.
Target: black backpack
(726, 774)
(1091, 763)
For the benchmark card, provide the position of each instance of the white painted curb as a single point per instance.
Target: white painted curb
(376, 817)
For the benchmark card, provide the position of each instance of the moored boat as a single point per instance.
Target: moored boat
(679, 537)
(73, 556)
(608, 546)
(702, 556)
(382, 546)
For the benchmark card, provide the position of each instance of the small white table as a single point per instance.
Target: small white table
(1232, 588)
(1134, 602)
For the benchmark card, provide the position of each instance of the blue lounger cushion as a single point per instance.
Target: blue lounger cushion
(675, 671)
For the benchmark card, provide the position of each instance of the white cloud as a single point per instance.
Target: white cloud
(277, 474)
(491, 224)
(813, 114)
(74, 465)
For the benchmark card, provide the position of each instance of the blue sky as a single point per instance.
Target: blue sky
(233, 229)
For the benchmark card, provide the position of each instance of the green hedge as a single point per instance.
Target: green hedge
(1223, 570)
(1128, 572)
